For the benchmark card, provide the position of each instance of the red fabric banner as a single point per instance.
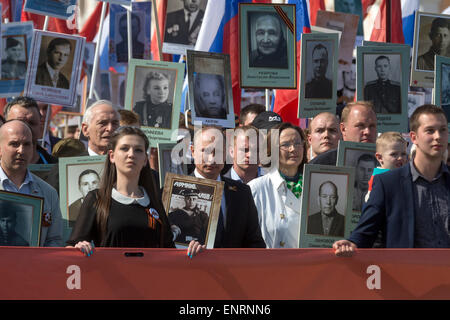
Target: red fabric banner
(222, 274)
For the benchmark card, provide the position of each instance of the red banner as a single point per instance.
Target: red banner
(222, 274)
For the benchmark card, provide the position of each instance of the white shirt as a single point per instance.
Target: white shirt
(143, 201)
(54, 74)
(222, 203)
(193, 17)
(92, 153)
(278, 210)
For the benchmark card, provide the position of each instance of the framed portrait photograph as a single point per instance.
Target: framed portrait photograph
(268, 50)
(318, 76)
(192, 206)
(54, 70)
(348, 25)
(360, 156)
(184, 20)
(431, 37)
(61, 9)
(382, 78)
(351, 7)
(415, 100)
(77, 176)
(118, 85)
(441, 95)
(326, 205)
(167, 164)
(15, 48)
(154, 93)
(20, 219)
(140, 32)
(210, 90)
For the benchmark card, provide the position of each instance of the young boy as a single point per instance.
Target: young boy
(390, 153)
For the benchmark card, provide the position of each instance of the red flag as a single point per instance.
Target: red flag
(376, 21)
(6, 9)
(314, 6)
(161, 9)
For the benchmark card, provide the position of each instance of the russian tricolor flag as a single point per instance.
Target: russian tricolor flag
(220, 33)
(409, 8)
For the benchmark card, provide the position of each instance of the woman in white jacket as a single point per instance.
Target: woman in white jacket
(277, 194)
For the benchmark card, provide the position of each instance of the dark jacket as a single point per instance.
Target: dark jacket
(43, 78)
(177, 30)
(337, 225)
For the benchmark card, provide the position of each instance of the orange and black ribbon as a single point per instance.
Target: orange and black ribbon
(284, 17)
(152, 219)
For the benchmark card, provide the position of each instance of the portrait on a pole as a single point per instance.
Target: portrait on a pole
(267, 46)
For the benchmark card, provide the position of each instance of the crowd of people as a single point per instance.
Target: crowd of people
(405, 200)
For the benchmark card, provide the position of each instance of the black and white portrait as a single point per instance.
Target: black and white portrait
(14, 57)
(55, 62)
(382, 82)
(189, 212)
(153, 96)
(445, 86)
(183, 21)
(88, 180)
(433, 39)
(138, 36)
(267, 41)
(364, 163)
(81, 178)
(210, 96)
(319, 69)
(15, 224)
(415, 100)
(327, 204)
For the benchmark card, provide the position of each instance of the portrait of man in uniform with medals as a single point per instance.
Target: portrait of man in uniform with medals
(440, 41)
(319, 86)
(384, 92)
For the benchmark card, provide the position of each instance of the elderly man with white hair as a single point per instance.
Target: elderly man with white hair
(99, 122)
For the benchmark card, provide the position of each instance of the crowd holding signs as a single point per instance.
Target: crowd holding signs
(235, 186)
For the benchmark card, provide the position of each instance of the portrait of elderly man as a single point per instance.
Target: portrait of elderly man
(327, 221)
(8, 223)
(271, 46)
(319, 87)
(189, 223)
(384, 93)
(49, 72)
(183, 26)
(12, 65)
(88, 180)
(440, 40)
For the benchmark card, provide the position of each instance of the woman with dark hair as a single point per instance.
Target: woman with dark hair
(126, 210)
(277, 194)
(155, 110)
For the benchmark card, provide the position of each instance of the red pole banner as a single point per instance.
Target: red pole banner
(223, 274)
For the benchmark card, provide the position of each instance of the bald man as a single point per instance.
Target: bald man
(16, 152)
(358, 124)
(328, 221)
(324, 134)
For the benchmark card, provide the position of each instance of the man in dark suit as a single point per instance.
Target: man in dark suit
(328, 221)
(238, 225)
(183, 26)
(410, 205)
(383, 92)
(12, 66)
(319, 87)
(49, 73)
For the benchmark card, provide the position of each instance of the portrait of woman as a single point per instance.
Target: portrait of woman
(156, 108)
(209, 95)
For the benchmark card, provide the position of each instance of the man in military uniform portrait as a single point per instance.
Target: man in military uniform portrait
(328, 221)
(12, 66)
(183, 26)
(319, 87)
(271, 46)
(440, 40)
(189, 223)
(384, 93)
(8, 222)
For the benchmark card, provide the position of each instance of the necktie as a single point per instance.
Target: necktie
(188, 20)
